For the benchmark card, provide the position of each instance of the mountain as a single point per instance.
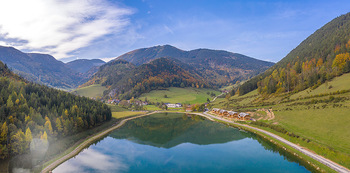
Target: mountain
(220, 67)
(322, 56)
(40, 68)
(126, 80)
(31, 111)
(84, 65)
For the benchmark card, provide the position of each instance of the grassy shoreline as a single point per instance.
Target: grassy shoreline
(102, 129)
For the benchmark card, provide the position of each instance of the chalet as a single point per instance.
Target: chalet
(232, 114)
(223, 112)
(215, 110)
(243, 116)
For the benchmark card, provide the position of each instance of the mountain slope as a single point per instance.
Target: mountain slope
(322, 56)
(157, 74)
(219, 66)
(41, 68)
(84, 65)
(32, 111)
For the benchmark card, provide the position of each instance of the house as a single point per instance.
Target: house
(223, 112)
(232, 114)
(176, 105)
(215, 110)
(243, 116)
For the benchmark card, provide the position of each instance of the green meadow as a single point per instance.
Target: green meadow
(95, 90)
(179, 95)
(317, 122)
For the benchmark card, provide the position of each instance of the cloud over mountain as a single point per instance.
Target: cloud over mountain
(59, 27)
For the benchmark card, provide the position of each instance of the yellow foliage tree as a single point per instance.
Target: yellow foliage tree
(340, 60)
(48, 125)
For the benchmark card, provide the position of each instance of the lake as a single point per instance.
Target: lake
(169, 142)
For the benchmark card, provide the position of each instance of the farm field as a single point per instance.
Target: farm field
(179, 95)
(124, 114)
(90, 91)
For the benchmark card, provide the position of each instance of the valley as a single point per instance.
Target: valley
(109, 92)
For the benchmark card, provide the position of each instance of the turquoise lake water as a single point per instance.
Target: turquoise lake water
(179, 143)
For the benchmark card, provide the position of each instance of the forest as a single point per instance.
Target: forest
(29, 110)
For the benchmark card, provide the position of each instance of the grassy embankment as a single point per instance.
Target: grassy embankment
(90, 91)
(317, 119)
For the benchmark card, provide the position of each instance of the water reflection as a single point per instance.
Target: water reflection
(169, 130)
(179, 143)
(92, 159)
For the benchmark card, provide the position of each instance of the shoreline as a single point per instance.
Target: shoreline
(87, 142)
(329, 163)
(332, 165)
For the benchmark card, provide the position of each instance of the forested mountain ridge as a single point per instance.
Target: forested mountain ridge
(220, 67)
(40, 68)
(84, 65)
(125, 80)
(322, 56)
(29, 110)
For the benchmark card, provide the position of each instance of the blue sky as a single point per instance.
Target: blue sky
(266, 30)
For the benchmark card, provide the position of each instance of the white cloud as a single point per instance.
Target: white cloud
(59, 27)
(108, 59)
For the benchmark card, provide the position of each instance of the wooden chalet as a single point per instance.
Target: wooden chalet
(232, 114)
(244, 116)
(215, 110)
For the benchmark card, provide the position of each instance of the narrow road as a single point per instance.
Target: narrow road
(317, 157)
(216, 97)
(54, 164)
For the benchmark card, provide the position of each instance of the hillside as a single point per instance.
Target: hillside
(322, 56)
(159, 73)
(317, 118)
(31, 111)
(220, 67)
(40, 68)
(84, 65)
(124, 80)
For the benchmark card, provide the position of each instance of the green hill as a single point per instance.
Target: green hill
(322, 56)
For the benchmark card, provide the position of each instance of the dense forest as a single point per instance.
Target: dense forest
(321, 57)
(29, 111)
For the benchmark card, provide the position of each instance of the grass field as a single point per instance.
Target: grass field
(116, 108)
(124, 114)
(337, 84)
(90, 91)
(179, 95)
(322, 127)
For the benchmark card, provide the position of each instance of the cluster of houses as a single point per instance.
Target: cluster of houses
(231, 114)
(137, 102)
(171, 105)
